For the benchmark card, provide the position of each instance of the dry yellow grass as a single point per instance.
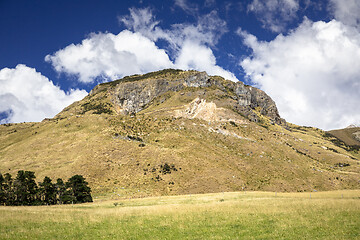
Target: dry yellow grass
(347, 135)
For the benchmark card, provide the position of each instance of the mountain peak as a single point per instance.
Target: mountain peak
(133, 94)
(353, 126)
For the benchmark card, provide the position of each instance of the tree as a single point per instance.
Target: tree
(78, 188)
(2, 190)
(61, 193)
(8, 189)
(25, 188)
(31, 188)
(20, 188)
(47, 191)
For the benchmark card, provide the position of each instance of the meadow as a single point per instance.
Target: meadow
(229, 215)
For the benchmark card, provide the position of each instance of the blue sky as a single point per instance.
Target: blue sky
(304, 54)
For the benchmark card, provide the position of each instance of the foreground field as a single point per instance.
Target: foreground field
(240, 215)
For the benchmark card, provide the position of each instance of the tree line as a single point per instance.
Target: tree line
(23, 190)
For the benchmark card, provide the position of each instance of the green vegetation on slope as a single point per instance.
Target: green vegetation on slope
(133, 78)
(242, 215)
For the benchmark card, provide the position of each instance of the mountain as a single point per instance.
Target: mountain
(179, 132)
(353, 126)
(349, 137)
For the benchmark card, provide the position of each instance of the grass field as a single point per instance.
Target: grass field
(239, 215)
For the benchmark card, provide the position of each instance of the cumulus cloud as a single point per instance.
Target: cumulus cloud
(26, 95)
(312, 74)
(195, 56)
(109, 56)
(274, 14)
(346, 11)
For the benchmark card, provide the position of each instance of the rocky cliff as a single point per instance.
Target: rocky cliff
(132, 94)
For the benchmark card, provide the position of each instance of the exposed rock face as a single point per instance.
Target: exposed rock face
(198, 107)
(250, 98)
(208, 111)
(357, 135)
(132, 96)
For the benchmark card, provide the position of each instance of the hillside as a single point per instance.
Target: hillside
(350, 136)
(178, 132)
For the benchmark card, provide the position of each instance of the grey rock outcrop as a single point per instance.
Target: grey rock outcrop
(132, 95)
(357, 136)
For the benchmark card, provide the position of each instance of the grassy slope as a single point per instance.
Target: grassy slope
(250, 215)
(346, 135)
(98, 146)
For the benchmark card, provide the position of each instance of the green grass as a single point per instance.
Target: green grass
(237, 215)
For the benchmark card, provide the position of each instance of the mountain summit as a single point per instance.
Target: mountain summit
(135, 93)
(177, 132)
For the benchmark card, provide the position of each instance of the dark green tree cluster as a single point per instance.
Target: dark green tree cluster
(23, 190)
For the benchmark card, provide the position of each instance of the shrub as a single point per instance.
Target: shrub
(97, 108)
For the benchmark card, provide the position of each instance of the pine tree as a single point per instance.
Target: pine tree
(63, 196)
(60, 190)
(78, 188)
(20, 189)
(2, 190)
(47, 191)
(9, 189)
(31, 188)
(25, 188)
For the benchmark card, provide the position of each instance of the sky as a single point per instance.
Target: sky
(304, 54)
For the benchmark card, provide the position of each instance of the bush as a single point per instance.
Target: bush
(97, 108)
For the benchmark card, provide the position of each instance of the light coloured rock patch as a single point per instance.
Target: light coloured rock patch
(357, 136)
(207, 111)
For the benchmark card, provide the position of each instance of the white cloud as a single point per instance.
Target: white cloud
(113, 56)
(208, 29)
(144, 22)
(188, 7)
(312, 74)
(110, 56)
(275, 14)
(212, 27)
(203, 35)
(26, 95)
(346, 11)
(139, 18)
(195, 56)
